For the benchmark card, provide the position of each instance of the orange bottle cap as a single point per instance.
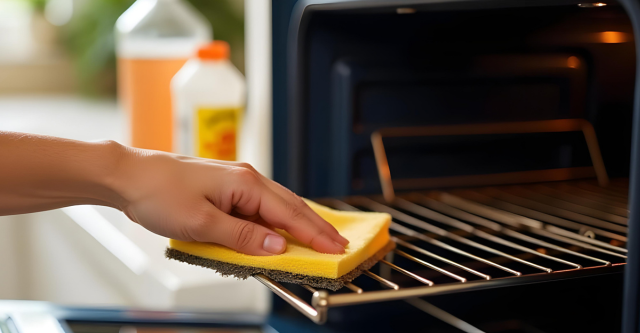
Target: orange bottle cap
(216, 50)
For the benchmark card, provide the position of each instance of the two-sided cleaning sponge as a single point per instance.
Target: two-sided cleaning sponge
(368, 235)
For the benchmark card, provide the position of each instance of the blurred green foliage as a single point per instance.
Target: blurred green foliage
(89, 37)
(37, 4)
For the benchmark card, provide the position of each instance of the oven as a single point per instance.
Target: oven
(500, 136)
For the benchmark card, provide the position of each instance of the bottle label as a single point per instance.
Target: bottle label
(216, 134)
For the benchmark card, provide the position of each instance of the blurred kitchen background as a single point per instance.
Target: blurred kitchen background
(58, 77)
(67, 46)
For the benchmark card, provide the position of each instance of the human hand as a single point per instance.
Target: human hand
(228, 203)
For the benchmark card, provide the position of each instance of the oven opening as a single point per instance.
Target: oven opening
(372, 69)
(498, 139)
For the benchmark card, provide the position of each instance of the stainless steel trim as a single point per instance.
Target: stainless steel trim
(497, 227)
(473, 206)
(479, 233)
(603, 190)
(441, 232)
(426, 264)
(553, 210)
(295, 301)
(545, 233)
(513, 205)
(415, 234)
(558, 248)
(584, 239)
(407, 273)
(568, 206)
(450, 262)
(390, 295)
(469, 212)
(353, 288)
(309, 288)
(382, 280)
(598, 197)
(602, 206)
(543, 126)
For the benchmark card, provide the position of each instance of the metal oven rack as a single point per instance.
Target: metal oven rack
(499, 236)
(485, 237)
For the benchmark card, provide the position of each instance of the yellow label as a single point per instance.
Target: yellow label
(217, 132)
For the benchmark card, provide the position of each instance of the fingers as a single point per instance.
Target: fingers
(244, 236)
(313, 216)
(296, 201)
(286, 215)
(249, 195)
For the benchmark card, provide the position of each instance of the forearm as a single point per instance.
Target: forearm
(180, 197)
(41, 173)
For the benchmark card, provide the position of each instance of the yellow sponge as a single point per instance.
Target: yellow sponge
(368, 233)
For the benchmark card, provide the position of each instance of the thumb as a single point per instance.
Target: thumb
(241, 235)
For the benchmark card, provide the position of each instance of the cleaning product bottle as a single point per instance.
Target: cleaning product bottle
(209, 98)
(154, 39)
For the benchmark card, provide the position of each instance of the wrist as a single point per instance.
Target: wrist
(116, 158)
(134, 173)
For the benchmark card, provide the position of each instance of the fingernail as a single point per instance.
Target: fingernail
(344, 240)
(274, 244)
(340, 247)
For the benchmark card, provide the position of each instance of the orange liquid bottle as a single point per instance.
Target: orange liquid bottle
(145, 94)
(154, 40)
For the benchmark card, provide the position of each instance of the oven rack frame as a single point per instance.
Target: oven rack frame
(547, 227)
(322, 300)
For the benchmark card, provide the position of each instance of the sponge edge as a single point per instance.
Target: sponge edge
(243, 272)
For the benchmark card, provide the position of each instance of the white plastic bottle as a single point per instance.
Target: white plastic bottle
(209, 97)
(154, 39)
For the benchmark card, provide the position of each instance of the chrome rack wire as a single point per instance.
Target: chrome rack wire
(472, 239)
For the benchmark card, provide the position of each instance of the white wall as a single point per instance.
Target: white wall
(256, 142)
(12, 272)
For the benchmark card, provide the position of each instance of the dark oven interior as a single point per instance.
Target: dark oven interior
(360, 70)
(451, 89)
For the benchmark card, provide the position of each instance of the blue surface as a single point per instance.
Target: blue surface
(631, 308)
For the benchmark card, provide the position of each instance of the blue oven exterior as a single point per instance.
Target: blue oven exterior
(631, 306)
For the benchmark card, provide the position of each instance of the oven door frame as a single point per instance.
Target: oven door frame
(631, 305)
(288, 101)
